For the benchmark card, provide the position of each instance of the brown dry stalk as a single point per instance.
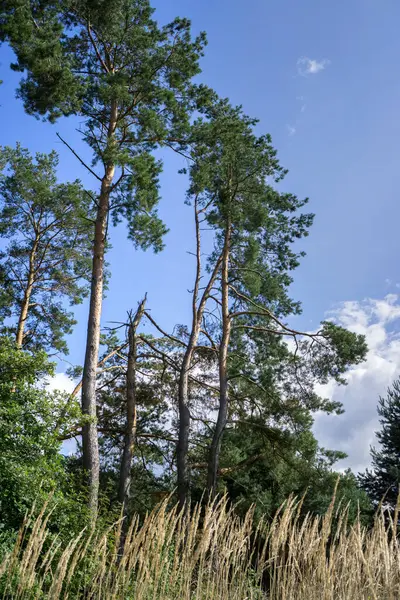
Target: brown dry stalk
(209, 552)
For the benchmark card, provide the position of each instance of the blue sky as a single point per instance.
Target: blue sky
(334, 120)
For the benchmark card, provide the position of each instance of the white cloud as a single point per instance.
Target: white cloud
(310, 66)
(60, 382)
(354, 431)
(291, 130)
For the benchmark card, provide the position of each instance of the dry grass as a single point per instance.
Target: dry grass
(211, 554)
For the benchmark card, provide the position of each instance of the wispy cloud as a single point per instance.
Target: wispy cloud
(311, 66)
(291, 130)
(303, 103)
(392, 284)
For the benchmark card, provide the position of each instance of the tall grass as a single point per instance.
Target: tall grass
(210, 554)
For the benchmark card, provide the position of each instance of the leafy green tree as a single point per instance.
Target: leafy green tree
(130, 82)
(47, 259)
(31, 465)
(382, 481)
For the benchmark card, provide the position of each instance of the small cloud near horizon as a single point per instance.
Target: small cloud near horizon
(311, 66)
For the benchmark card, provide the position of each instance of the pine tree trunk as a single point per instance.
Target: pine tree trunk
(90, 445)
(182, 459)
(183, 389)
(131, 412)
(23, 315)
(213, 462)
(90, 448)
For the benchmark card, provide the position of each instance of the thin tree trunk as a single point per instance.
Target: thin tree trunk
(90, 446)
(182, 460)
(183, 390)
(215, 448)
(131, 412)
(23, 315)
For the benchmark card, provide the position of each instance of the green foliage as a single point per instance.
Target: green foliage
(47, 259)
(234, 183)
(263, 464)
(110, 63)
(382, 481)
(32, 469)
(155, 443)
(231, 176)
(343, 349)
(231, 179)
(30, 462)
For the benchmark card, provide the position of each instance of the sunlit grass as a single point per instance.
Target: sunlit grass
(209, 553)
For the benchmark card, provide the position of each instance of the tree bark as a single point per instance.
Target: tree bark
(215, 448)
(23, 315)
(183, 389)
(90, 446)
(182, 459)
(131, 411)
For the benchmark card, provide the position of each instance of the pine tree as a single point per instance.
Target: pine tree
(136, 385)
(234, 175)
(47, 259)
(382, 481)
(130, 81)
(263, 463)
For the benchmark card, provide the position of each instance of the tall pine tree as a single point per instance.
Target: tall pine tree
(233, 176)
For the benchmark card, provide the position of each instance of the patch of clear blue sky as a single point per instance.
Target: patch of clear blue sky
(344, 154)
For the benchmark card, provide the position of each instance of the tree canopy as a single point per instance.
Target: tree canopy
(224, 402)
